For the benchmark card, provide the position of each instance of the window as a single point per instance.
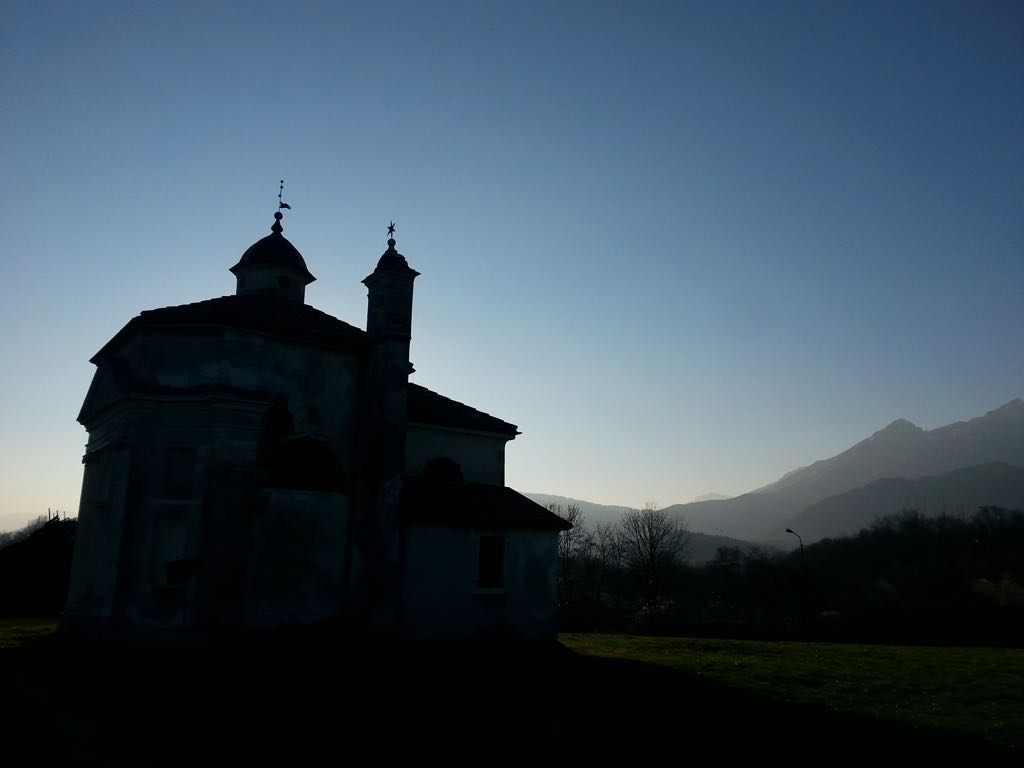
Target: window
(491, 569)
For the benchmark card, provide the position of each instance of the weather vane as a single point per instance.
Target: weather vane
(280, 203)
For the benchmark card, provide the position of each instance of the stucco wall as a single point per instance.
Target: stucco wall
(319, 385)
(94, 566)
(176, 420)
(480, 456)
(296, 567)
(441, 596)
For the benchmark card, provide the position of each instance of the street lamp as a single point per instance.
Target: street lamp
(803, 580)
(803, 568)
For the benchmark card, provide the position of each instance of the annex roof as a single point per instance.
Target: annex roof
(428, 407)
(474, 505)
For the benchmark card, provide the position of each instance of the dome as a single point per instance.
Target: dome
(274, 250)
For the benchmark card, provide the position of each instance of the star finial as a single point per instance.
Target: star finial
(391, 229)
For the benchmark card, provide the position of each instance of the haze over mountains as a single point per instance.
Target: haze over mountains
(954, 468)
(959, 491)
(703, 547)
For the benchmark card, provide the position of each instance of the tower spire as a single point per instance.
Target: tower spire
(277, 228)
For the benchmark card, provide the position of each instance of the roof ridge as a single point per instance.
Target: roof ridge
(266, 314)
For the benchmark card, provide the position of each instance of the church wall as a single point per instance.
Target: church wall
(319, 385)
(96, 559)
(442, 594)
(190, 418)
(296, 570)
(177, 449)
(481, 456)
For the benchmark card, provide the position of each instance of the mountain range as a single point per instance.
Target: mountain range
(961, 491)
(954, 468)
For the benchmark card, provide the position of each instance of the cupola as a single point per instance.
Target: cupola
(273, 266)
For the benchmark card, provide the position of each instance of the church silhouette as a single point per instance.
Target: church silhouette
(254, 462)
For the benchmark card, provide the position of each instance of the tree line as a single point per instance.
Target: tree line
(35, 565)
(631, 564)
(906, 578)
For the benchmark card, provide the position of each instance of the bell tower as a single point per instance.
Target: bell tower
(389, 326)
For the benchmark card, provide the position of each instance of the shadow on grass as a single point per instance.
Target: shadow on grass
(638, 703)
(313, 696)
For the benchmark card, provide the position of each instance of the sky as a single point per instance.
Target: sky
(685, 247)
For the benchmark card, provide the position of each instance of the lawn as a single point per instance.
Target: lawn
(15, 633)
(971, 691)
(297, 696)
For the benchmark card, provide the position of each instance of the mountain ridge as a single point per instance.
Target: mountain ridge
(899, 450)
(959, 491)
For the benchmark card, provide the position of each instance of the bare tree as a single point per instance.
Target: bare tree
(653, 542)
(602, 563)
(572, 545)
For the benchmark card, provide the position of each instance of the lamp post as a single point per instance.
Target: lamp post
(803, 569)
(803, 581)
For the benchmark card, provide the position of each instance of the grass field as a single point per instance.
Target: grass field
(294, 698)
(15, 633)
(975, 691)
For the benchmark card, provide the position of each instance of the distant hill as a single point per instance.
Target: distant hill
(900, 450)
(905, 450)
(961, 491)
(10, 523)
(712, 497)
(592, 513)
(703, 547)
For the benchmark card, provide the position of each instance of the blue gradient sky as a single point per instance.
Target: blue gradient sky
(686, 247)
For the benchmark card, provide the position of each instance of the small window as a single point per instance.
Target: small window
(491, 571)
(283, 281)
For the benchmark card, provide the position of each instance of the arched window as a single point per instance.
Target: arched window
(299, 462)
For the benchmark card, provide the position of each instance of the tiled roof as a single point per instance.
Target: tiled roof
(474, 505)
(270, 314)
(428, 407)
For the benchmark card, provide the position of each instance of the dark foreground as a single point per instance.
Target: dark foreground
(313, 697)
